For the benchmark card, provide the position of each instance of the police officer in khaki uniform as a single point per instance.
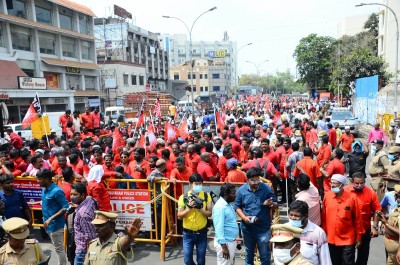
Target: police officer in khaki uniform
(19, 250)
(393, 173)
(286, 245)
(109, 248)
(378, 167)
(391, 226)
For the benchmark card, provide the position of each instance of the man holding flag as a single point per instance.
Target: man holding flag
(34, 112)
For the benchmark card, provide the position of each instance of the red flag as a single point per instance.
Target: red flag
(33, 113)
(277, 119)
(157, 108)
(118, 140)
(142, 141)
(183, 130)
(171, 133)
(140, 120)
(152, 137)
(220, 122)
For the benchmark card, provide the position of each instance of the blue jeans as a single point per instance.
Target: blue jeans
(189, 241)
(79, 258)
(262, 242)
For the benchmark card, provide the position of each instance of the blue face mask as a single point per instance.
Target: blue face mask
(299, 138)
(197, 188)
(335, 189)
(398, 204)
(374, 148)
(391, 157)
(296, 223)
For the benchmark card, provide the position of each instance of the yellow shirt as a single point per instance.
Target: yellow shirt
(172, 110)
(27, 256)
(194, 220)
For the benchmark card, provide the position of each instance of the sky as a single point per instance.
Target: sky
(274, 27)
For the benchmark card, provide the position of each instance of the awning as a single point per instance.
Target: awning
(87, 93)
(75, 6)
(9, 72)
(66, 63)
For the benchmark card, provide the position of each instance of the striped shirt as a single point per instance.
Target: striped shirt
(83, 228)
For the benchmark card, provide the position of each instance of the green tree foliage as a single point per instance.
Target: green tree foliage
(282, 82)
(314, 60)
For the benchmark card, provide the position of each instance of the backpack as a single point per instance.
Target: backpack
(264, 171)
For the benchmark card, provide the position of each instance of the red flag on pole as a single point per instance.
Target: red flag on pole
(118, 140)
(140, 116)
(220, 122)
(171, 133)
(183, 129)
(157, 108)
(152, 137)
(142, 141)
(33, 113)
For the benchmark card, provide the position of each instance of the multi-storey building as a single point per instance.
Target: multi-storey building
(131, 56)
(221, 53)
(52, 42)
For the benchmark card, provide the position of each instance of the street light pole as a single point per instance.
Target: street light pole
(396, 65)
(191, 51)
(236, 66)
(257, 67)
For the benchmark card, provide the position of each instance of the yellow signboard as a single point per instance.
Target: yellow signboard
(220, 54)
(38, 130)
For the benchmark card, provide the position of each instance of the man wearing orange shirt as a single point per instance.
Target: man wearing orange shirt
(96, 118)
(323, 153)
(234, 174)
(63, 120)
(284, 152)
(369, 205)
(268, 152)
(309, 167)
(311, 135)
(346, 140)
(204, 169)
(181, 172)
(244, 153)
(194, 159)
(335, 166)
(87, 120)
(139, 168)
(332, 135)
(260, 162)
(222, 168)
(342, 222)
(235, 144)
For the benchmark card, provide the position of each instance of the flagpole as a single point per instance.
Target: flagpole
(44, 125)
(151, 119)
(216, 124)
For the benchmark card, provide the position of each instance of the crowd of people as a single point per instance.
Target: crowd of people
(283, 152)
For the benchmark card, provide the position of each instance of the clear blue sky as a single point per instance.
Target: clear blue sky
(274, 27)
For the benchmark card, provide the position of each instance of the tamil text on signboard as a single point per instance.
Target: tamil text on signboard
(34, 83)
(122, 200)
(31, 190)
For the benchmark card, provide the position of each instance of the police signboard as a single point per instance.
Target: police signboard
(32, 83)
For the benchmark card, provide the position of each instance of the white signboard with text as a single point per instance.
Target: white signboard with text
(33, 83)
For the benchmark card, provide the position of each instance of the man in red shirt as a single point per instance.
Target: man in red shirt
(87, 120)
(268, 152)
(234, 174)
(346, 140)
(309, 167)
(311, 135)
(222, 167)
(181, 172)
(235, 144)
(324, 152)
(260, 162)
(96, 118)
(244, 153)
(204, 169)
(342, 222)
(335, 166)
(139, 168)
(194, 159)
(369, 205)
(109, 172)
(15, 140)
(332, 135)
(63, 120)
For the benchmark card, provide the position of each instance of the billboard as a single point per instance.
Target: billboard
(32, 83)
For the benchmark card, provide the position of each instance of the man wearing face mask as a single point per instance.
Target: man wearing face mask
(393, 174)
(342, 222)
(378, 167)
(369, 205)
(286, 245)
(194, 221)
(376, 134)
(313, 244)
(357, 159)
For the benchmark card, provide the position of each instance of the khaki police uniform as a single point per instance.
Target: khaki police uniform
(283, 233)
(110, 252)
(31, 252)
(391, 240)
(377, 168)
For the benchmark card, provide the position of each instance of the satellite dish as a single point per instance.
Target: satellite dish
(4, 109)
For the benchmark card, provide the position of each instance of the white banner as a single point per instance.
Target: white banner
(33, 83)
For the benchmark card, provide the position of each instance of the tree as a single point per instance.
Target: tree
(314, 60)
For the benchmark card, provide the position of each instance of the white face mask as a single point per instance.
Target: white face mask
(283, 255)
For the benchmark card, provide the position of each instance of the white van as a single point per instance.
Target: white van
(113, 113)
(17, 128)
(185, 105)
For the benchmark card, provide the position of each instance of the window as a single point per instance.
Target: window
(66, 21)
(216, 88)
(87, 48)
(18, 8)
(2, 44)
(194, 89)
(134, 80)
(215, 76)
(205, 76)
(206, 88)
(188, 76)
(43, 15)
(47, 42)
(68, 47)
(21, 38)
(176, 76)
(126, 81)
(83, 24)
(194, 76)
(201, 89)
(141, 80)
(201, 76)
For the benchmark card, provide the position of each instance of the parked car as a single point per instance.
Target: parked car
(17, 128)
(345, 117)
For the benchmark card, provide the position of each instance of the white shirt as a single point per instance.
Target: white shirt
(77, 124)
